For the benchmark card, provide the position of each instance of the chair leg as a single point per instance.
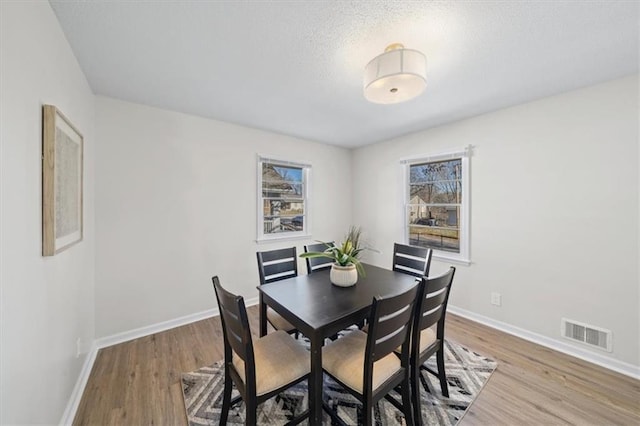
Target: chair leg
(442, 375)
(415, 394)
(226, 398)
(406, 402)
(367, 414)
(263, 317)
(251, 414)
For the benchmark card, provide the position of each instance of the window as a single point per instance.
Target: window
(437, 204)
(283, 204)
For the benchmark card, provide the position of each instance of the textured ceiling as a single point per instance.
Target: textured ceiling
(296, 67)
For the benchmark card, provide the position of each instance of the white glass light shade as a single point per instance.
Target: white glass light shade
(397, 75)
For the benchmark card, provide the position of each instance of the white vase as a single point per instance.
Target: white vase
(343, 276)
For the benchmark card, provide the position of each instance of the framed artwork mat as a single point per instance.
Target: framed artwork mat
(62, 166)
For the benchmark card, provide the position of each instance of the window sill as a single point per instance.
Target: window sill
(274, 239)
(452, 259)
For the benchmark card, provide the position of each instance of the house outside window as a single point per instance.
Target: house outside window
(283, 202)
(437, 204)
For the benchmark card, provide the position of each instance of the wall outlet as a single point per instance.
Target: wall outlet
(78, 347)
(496, 299)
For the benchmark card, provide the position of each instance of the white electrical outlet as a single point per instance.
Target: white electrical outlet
(496, 299)
(78, 347)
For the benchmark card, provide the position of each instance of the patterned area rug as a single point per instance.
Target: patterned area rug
(467, 373)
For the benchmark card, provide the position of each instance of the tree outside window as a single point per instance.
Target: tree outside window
(283, 199)
(435, 208)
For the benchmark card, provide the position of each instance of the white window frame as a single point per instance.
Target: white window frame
(464, 257)
(306, 223)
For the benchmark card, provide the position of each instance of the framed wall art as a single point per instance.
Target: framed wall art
(62, 146)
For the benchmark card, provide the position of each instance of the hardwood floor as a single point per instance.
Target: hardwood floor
(138, 382)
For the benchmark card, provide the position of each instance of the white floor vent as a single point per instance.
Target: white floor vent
(587, 334)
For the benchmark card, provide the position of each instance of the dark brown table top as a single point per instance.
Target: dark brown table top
(313, 304)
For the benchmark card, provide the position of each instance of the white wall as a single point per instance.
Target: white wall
(46, 303)
(176, 204)
(554, 188)
(555, 213)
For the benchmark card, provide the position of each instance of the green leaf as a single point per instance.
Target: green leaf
(343, 254)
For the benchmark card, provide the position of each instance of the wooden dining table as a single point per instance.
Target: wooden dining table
(319, 310)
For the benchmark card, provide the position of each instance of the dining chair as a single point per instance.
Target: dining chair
(412, 260)
(317, 263)
(276, 265)
(430, 311)
(365, 363)
(260, 369)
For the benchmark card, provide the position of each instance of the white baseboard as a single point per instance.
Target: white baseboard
(583, 354)
(76, 395)
(136, 333)
(148, 330)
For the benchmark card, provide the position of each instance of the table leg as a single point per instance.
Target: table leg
(263, 316)
(315, 382)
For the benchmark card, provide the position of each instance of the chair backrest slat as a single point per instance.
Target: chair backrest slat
(317, 263)
(412, 260)
(433, 302)
(235, 323)
(389, 323)
(431, 317)
(276, 265)
(392, 333)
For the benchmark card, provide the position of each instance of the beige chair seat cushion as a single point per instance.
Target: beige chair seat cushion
(427, 338)
(277, 321)
(344, 359)
(279, 360)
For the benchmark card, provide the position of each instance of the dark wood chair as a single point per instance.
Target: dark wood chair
(317, 263)
(276, 265)
(430, 311)
(365, 363)
(412, 260)
(260, 369)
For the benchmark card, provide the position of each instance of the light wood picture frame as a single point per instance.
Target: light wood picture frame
(62, 170)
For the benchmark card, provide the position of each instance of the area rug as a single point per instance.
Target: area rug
(467, 373)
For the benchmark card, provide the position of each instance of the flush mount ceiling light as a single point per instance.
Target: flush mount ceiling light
(395, 76)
